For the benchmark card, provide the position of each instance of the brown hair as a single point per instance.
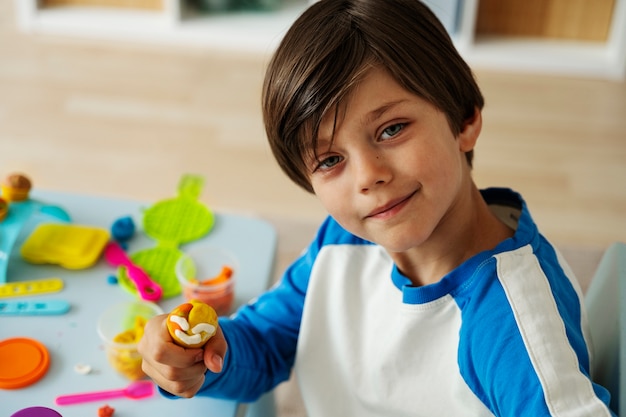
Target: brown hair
(328, 49)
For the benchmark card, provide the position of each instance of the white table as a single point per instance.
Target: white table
(72, 338)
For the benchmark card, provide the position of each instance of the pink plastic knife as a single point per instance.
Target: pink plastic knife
(147, 288)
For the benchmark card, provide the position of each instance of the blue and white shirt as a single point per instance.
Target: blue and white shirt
(503, 334)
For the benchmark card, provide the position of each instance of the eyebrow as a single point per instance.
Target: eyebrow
(369, 117)
(380, 111)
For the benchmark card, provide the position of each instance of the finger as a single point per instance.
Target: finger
(184, 385)
(215, 351)
(157, 346)
(173, 373)
(174, 368)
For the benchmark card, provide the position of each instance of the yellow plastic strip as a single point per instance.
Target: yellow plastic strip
(40, 286)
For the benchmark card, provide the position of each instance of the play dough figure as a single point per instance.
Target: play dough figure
(192, 324)
(4, 208)
(16, 187)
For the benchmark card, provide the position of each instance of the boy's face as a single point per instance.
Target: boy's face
(393, 173)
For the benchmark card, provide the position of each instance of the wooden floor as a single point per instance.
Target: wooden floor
(128, 121)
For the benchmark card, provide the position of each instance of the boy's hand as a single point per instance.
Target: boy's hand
(178, 370)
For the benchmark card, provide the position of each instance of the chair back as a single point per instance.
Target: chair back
(606, 306)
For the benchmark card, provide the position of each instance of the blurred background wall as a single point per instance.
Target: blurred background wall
(122, 101)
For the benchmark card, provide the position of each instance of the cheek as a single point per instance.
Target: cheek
(332, 200)
(337, 203)
(439, 162)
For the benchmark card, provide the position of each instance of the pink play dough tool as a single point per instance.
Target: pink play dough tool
(147, 288)
(135, 390)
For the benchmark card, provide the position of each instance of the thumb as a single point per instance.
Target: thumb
(215, 351)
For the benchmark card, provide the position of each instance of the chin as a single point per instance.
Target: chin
(403, 241)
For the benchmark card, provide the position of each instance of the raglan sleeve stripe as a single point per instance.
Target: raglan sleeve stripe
(567, 390)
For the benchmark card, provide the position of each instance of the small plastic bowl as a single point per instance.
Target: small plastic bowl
(125, 321)
(199, 265)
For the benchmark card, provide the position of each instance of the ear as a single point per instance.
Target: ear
(470, 131)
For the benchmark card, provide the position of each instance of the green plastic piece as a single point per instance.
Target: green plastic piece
(159, 263)
(171, 222)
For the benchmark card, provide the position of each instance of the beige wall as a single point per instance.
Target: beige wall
(128, 120)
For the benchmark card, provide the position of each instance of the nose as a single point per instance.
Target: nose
(371, 170)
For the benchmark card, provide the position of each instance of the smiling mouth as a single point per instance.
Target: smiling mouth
(391, 207)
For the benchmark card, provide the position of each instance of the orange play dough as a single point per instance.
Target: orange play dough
(192, 324)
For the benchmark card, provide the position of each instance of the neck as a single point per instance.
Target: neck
(466, 230)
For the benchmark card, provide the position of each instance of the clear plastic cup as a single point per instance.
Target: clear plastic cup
(120, 327)
(202, 272)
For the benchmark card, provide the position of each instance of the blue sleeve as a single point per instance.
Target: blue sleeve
(263, 334)
(498, 359)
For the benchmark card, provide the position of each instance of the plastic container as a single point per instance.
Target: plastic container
(36, 412)
(23, 361)
(208, 274)
(121, 327)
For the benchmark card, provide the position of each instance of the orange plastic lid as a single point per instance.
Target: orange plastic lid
(23, 362)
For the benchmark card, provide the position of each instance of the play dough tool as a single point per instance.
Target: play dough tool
(34, 308)
(35, 287)
(21, 215)
(171, 222)
(135, 390)
(148, 289)
(180, 219)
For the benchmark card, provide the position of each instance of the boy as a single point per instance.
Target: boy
(420, 295)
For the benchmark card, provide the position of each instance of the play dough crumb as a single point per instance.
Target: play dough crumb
(106, 411)
(82, 369)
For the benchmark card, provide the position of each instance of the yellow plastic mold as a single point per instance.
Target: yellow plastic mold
(68, 245)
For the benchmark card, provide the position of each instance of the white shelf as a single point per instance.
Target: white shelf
(261, 32)
(248, 31)
(587, 59)
(552, 57)
(243, 31)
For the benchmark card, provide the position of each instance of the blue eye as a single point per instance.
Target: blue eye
(329, 162)
(392, 131)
